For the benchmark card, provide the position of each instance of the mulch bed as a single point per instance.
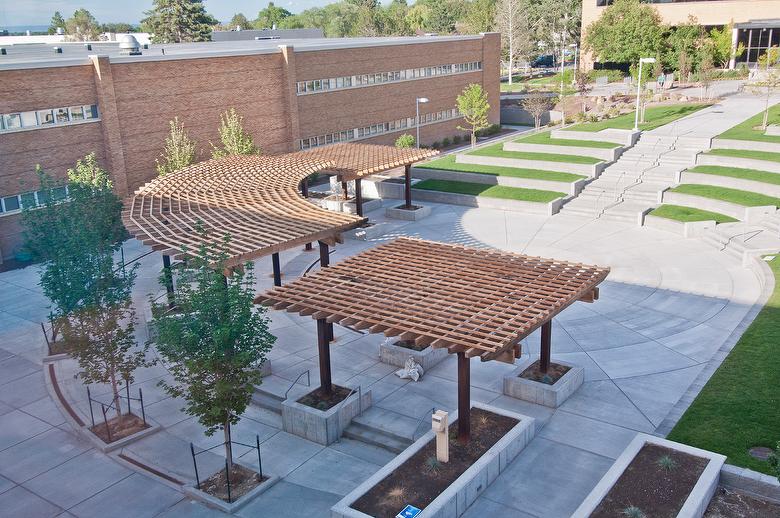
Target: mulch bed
(242, 481)
(420, 479)
(409, 344)
(413, 207)
(553, 374)
(321, 401)
(655, 489)
(119, 428)
(727, 503)
(58, 347)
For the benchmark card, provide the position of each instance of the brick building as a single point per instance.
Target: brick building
(56, 107)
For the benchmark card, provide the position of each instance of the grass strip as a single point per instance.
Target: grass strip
(750, 129)
(735, 172)
(448, 163)
(497, 150)
(746, 153)
(655, 116)
(490, 191)
(745, 198)
(545, 138)
(738, 407)
(689, 214)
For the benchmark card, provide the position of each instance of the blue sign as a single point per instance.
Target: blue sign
(409, 511)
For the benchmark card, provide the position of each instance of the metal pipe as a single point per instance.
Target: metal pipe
(408, 186)
(168, 275)
(544, 353)
(323, 345)
(464, 398)
(277, 269)
(358, 197)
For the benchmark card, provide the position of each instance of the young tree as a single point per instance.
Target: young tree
(537, 106)
(683, 66)
(235, 140)
(216, 342)
(177, 21)
(179, 149)
(473, 105)
(82, 26)
(239, 21)
(270, 16)
(719, 44)
(583, 86)
(57, 22)
(405, 140)
(772, 80)
(706, 69)
(512, 22)
(626, 31)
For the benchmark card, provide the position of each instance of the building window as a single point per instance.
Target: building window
(32, 199)
(756, 42)
(48, 118)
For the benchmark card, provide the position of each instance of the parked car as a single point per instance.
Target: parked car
(545, 61)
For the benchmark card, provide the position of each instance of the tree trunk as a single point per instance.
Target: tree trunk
(117, 401)
(228, 446)
(473, 139)
(511, 48)
(766, 110)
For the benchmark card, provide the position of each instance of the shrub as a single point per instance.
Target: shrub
(613, 76)
(445, 142)
(774, 460)
(456, 139)
(436, 145)
(405, 140)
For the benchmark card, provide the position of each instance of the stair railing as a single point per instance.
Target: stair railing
(359, 390)
(420, 421)
(752, 233)
(307, 372)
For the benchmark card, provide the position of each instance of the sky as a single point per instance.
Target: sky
(39, 12)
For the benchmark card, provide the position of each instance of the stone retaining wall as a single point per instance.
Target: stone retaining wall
(608, 155)
(591, 170)
(732, 161)
(572, 188)
(753, 145)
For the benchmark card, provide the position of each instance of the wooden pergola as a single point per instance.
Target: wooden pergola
(473, 302)
(253, 198)
(351, 161)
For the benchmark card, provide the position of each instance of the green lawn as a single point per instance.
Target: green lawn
(738, 407)
(497, 150)
(448, 163)
(655, 116)
(688, 214)
(736, 172)
(744, 153)
(545, 138)
(490, 191)
(745, 131)
(745, 198)
(551, 83)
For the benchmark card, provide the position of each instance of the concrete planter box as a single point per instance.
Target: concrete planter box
(368, 233)
(350, 207)
(397, 355)
(685, 229)
(454, 500)
(740, 212)
(732, 183)
(230, 507)
(606, 154)
(590, 170)
(732, 161)
(408, 215)
(697, 500)
(540, 393)
(752, 145)
(623, 137)
(383, 187)
(744, 479)
(468, 200)
(572, 188)
(333, 204)
(322, 426)
(772, 130)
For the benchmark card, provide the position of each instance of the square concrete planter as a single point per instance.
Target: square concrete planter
(322, 426)
(417, 214)
(396, 355)
(541, 393)
(698, 499)
(454, 500)
(230, 507)
(350, 206)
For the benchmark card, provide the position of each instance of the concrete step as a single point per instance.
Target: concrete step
(268, 401)
(391, 423)
(376, 437)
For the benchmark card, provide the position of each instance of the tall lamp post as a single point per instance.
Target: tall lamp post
(563, 58)
(574, 46)
(419, 100)
(638, 89)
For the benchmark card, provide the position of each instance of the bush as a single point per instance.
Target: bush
(405, 140)
(445, 142)
(613, 76)
(774, 461)
(493, 129)
(436, 145)
(456, 139)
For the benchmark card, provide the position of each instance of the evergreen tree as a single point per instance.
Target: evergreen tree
(177, 21)
(179, 149)
(57, 22)
(235, 140)
(473, 105)
(82, 26)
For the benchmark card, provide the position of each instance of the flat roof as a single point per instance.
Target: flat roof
(40, 55)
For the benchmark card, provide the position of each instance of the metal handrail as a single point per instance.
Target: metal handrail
(315, 263)
(308, 381)
(419, 422)
(753, 233)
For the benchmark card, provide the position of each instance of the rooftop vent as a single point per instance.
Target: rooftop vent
(129, 46)
(88, 46)
(58, 50)
(3, 52)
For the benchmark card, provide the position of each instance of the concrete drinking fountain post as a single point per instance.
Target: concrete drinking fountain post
(441, 427)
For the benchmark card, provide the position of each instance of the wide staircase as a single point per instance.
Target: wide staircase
(632, 184)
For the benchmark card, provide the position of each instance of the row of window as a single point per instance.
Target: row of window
(376, 129)
(50, 117)
(756, 42)
(337, 83)
(30, 200)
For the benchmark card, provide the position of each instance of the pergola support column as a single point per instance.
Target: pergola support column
(344, 190)
(324, 263)
(358, 197)
(168, 275)
(544, 353)
(464, 398)
(408, 186)
(323, 346)
(305, 194)
(277, 269)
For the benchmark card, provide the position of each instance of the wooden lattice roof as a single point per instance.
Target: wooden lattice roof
(252, 198)
(351, 160)
(477, 301)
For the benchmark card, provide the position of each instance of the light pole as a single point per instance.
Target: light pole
(638, 89)
(419, 100)
(563, 58)
(574, 46)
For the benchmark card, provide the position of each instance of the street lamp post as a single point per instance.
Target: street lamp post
(638, 89)
(574, 46)
(563, 59)
(419, 100)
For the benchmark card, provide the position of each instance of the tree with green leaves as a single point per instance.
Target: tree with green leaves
(406, 140)
(82, 26)
(235, 140)
(119, 27)
(537, 105)
(239, 21)
(271, 16)
(57, 22)
(69, 233)
(684, 39)
(444, 14)
(626, 31)
(417, 17)
(706, 72)
(178, 21)
(719, 44)
(216, 341)
(179, 149)
(771, 82)
(392, 19)
(474, 107)
(479, 16)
